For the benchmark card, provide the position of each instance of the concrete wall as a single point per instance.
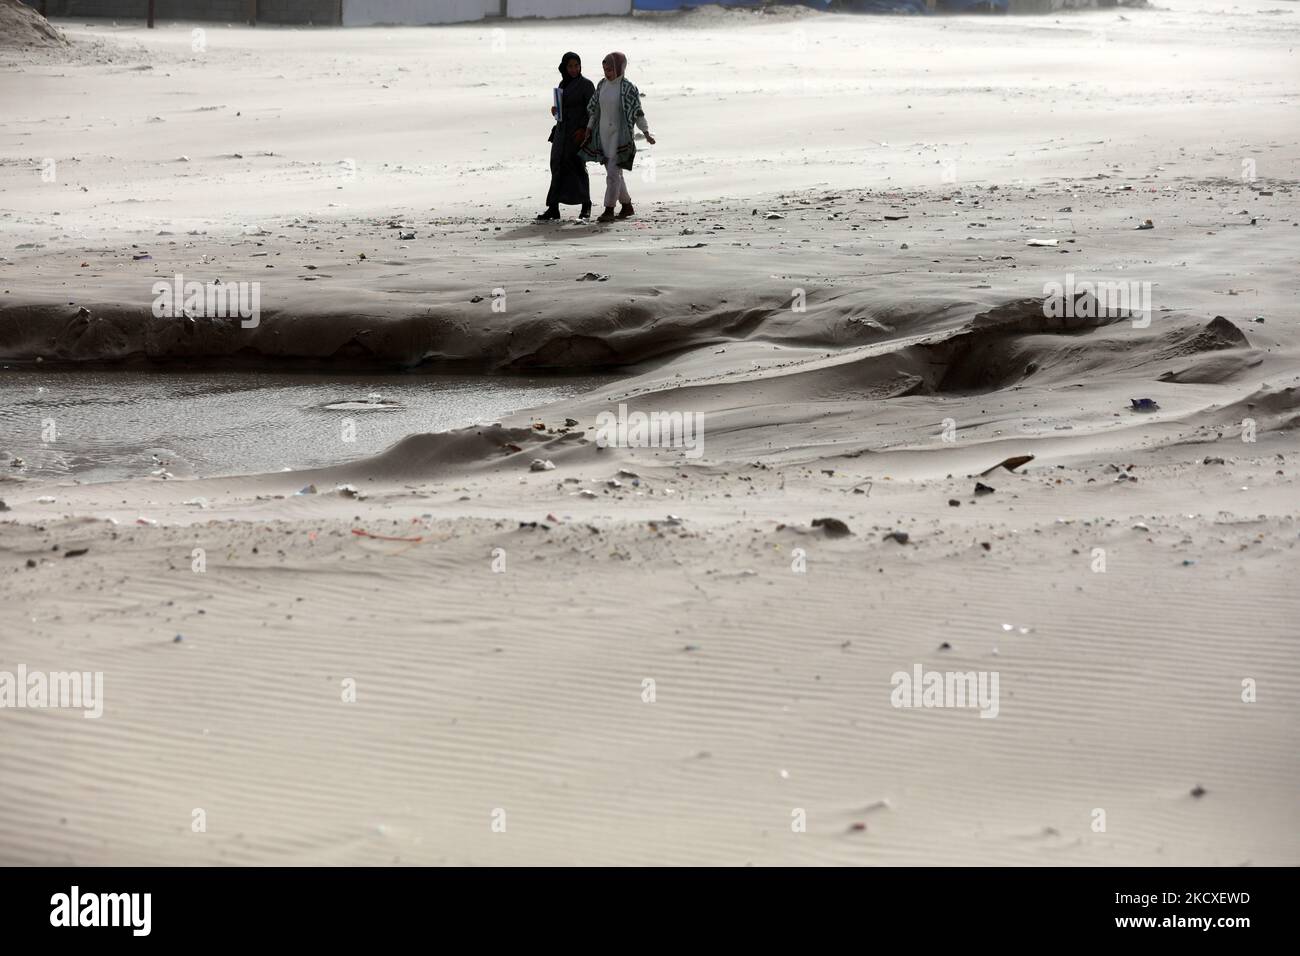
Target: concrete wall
(298, 11)
(225, 11)
(682, 4)
(355, 13)
(567, 8)
(361, 13)
(1052, 6)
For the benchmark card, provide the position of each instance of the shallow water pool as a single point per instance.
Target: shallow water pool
(99, 425)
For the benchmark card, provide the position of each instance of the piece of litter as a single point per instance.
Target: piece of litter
(833, 527)
(361, 533)
(1010, 464)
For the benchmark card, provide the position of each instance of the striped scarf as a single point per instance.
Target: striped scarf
(630, 103)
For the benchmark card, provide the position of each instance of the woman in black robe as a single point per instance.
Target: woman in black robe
(569, 184)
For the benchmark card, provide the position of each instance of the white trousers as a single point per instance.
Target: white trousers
(615, 188)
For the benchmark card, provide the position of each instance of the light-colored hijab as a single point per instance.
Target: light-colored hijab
(620, 62)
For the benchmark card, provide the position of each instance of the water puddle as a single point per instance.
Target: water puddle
(99, 425)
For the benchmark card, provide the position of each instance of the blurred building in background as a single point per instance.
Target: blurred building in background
(420, 12)
(357, 13)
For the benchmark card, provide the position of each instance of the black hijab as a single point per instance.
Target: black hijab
(565, 73)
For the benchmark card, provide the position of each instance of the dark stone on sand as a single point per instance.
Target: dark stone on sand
(834, 527)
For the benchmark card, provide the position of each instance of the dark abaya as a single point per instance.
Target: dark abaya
(569, 184)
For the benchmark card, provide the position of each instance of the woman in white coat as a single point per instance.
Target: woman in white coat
(614, 110)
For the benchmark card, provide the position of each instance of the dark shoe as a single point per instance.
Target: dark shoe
(586, 211)
(552, 213)
(607, 215)
(626, 211)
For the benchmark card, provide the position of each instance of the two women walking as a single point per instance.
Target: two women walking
(601, 132)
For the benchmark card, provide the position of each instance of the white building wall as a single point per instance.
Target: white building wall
(362, 13)
(567, 8)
